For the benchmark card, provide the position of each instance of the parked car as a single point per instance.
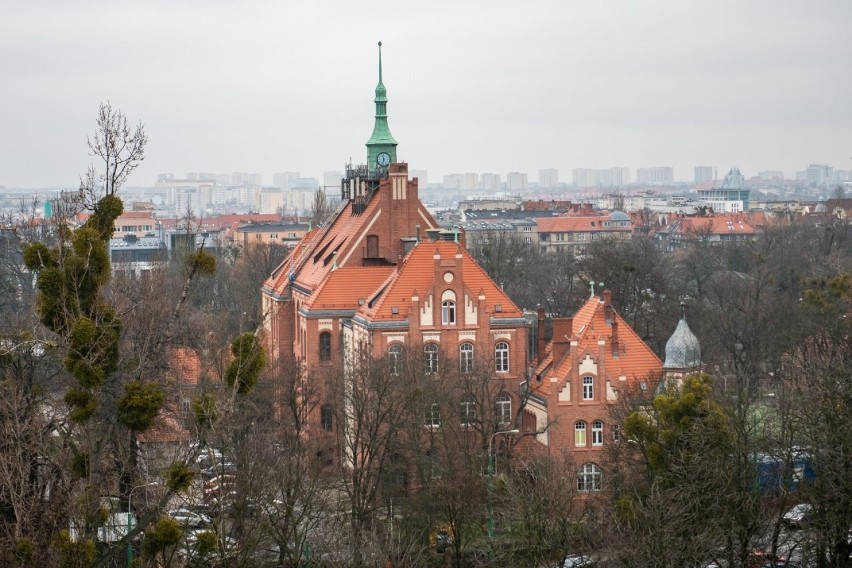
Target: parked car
(220, 487)
(576, 561)
(798, 515)
(190, 518)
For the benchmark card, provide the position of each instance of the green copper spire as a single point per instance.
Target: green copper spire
(381, 147)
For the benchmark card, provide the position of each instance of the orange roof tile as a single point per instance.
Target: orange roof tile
(573, 224)
(417, 274)
(345, 286)
(636, 361)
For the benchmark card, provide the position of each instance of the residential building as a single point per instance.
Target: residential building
(288, 234)
(574, 233)
(516, 182)
(548, 179)
(705, 173)
(655, 176)
(593, 360)
(490, 182)
(819, 175)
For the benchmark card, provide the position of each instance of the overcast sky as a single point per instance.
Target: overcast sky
(473, 86)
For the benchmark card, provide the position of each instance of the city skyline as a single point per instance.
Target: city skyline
(472, 87)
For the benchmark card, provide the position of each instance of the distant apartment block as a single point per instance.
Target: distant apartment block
(516, 181)
(548, 178)
(461, 182)
(331, 182)
(770, 174)
(704, 173)
(819, 175)
(269, 201)
(655, 176)
(609, 177)
(585, 177)
(489, 182)
(285, 180)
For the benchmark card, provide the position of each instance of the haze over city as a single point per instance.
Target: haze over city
(477, 86)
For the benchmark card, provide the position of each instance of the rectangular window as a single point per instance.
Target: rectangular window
(433, 415)
(588, 388)
(616, 433)
(597, 433)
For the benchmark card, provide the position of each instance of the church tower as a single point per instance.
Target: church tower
(381, 147)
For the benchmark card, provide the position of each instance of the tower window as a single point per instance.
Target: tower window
(326, 417)
(395, 358)
(597, 433)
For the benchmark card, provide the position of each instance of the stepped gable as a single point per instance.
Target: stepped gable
(345, 286)
(636, 361)
(417, 273)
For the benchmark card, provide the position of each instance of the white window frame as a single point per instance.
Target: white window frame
(430, 358)
(580, 434)
(501, 357)
(468, 411)
(589, 478)
(597, 433)
(448, 312)
(466, 351)
(433, 416)
(395, 358)
(503, 409)
(588, 388)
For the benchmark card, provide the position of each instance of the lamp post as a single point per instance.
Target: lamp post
(491, 480)
(130, 521)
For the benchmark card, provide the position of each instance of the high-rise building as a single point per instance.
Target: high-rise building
(770, 174)
(490, 182)
(655, 176)
(586, 177)
(819, 175)
(285, 180)
(548, 179)
(614, 177)
(516, 182)
(704, 173)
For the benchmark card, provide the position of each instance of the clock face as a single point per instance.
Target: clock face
(383, 159)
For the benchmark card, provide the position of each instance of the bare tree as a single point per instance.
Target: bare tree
(119, 148)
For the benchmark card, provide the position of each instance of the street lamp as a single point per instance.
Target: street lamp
(130, 520)
(491, 480)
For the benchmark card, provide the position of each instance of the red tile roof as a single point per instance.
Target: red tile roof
(575, 224)
(636, 361)
(417, 274)
(345, 286)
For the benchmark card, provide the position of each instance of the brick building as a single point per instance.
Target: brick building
(593, 360)
(380, 276)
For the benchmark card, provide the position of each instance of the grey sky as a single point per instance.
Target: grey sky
(473, 86)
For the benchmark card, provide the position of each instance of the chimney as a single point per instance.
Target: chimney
(563, 329)
(540, 335)
(607, 302)
(614, 338)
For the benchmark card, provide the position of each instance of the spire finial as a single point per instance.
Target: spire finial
(683, 310)
(380, 62)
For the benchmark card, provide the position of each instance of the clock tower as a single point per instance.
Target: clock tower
(381, 147)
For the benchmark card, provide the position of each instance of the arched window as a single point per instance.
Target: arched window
(430, 358)
(588, 388)
(466, 357)
(395, 358)
(448, 312)
(325, 346)
(597, 433)
(580, 433)
(589, 478)
(326, 417)
(468, 410)
(503, 409)
(501, 357)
